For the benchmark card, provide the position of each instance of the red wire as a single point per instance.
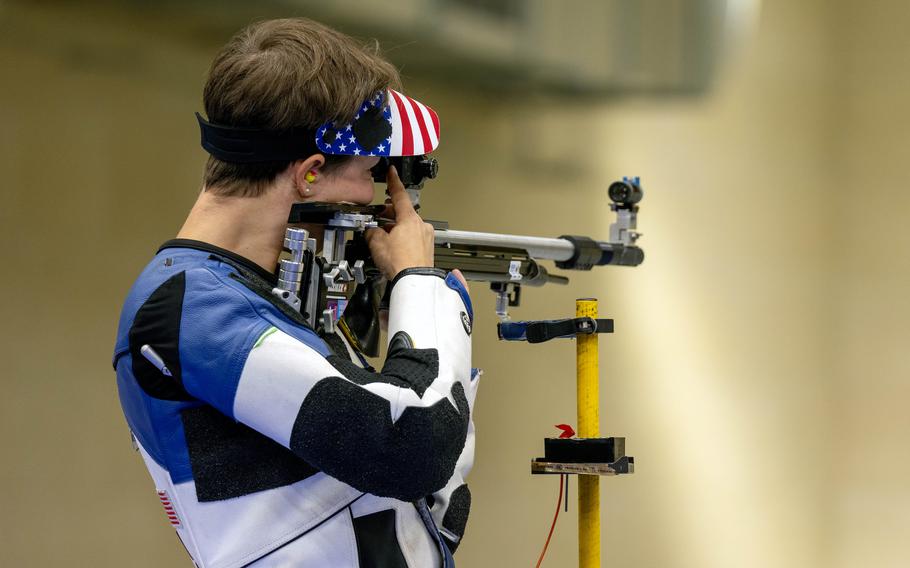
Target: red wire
(553, 526)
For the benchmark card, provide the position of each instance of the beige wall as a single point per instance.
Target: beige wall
(870, 310)
(758, 369)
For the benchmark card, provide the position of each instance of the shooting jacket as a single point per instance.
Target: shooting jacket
(272, 446)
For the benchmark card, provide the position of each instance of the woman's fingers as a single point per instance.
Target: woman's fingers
(401, 201)
(376, 239)
(405, 242)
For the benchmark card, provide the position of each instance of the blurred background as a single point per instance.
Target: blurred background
(759, 369)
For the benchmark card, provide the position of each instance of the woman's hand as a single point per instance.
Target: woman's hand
(408, 243)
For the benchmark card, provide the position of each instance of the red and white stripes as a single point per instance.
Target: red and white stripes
(415, 126)
(169, 508)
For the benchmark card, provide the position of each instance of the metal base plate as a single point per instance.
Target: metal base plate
(621, 466)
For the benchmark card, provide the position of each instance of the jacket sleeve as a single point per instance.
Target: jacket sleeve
(451, 505)
(396, 433)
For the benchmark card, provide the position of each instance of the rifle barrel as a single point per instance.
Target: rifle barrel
(543, 248)
(537, 247)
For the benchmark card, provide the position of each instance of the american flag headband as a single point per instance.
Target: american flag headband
(387, 124)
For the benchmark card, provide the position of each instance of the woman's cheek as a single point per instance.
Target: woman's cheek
(366, 193)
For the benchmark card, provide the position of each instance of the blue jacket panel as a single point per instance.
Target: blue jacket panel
(220, 319)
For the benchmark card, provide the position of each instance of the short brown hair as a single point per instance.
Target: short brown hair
(282, 74)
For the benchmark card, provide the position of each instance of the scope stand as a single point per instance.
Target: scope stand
(588, 455)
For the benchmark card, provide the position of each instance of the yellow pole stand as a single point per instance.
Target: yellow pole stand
(588, 427)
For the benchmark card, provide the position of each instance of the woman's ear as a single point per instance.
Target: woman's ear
(305, 174)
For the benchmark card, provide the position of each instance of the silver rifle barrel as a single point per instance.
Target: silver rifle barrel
(537, 247)
(574, 252)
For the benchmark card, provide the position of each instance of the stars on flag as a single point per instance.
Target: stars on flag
(408, 132)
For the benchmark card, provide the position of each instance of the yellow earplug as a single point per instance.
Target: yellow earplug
(310, 176)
